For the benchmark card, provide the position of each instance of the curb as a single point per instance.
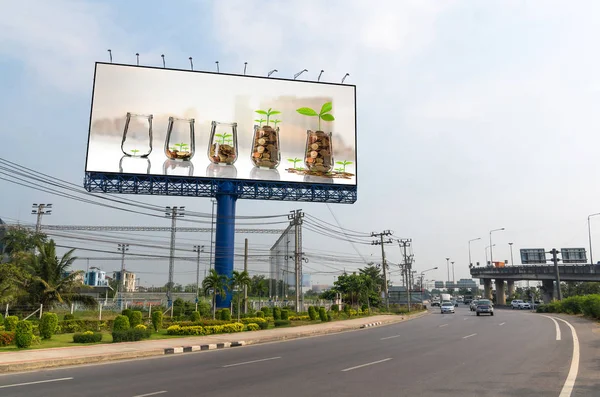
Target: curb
(371, 324)
(196, 348)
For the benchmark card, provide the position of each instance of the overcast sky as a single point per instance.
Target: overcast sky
(472, 115)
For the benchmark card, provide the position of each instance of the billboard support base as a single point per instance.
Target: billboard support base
(225, 237)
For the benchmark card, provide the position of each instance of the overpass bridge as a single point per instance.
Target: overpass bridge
(544, 273)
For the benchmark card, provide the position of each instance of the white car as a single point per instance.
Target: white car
(447, 307)
(515, 304)
(524, 305)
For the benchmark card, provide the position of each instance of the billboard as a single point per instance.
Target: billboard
(533, 256)
(573, 255)
(167, 122)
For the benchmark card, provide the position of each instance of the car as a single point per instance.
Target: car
(524, 305)
(473, 305)
(515, 304)
(435, 303)
(447, 307)
(485, 307)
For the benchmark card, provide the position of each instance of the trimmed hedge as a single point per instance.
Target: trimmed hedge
(312, 313)
(7, 338)
(195, 316)
(135, 318)
(300, 318)
(157, 320)
(260, 314)
(225, 314)
(10, 323)
(48, 325)
(276, 313)
(24, 334)
(87, 337)
(282, 323)
(285, 314)
(208, 330)
(255, 320)
(263, 325)
(121, 323)
(68, 316)
(71, 326)
(253, 327)
(131, 335)
(323, 314)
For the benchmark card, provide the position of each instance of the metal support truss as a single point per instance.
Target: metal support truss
(152, 229)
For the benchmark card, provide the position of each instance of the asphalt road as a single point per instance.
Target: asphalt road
(513, 353)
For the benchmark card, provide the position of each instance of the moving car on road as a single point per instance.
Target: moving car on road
(485, 306)
(473, 305)
(515, 304)
(447, 307)
(524, 305)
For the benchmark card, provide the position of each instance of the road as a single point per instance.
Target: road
(513, 353)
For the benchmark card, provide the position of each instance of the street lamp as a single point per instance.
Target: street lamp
(475, 239)
(491, 245)
(512, 261)
(590, 236)
(486, 255)
(453, 278)
(448, 267)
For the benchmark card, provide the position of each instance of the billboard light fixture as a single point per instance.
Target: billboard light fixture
(344, 78)
(299, 73)
(271, 72)
(245, 65)
(110, 55)
(163, 59)
(319, 78)
(137, 55)
(217, 62)
(191, 63)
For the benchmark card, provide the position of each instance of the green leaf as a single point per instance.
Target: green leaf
(347, 162)
(339, 162)
(307, 112)
(326, 108)
(275, 112)
(261, 112)
(327, 117)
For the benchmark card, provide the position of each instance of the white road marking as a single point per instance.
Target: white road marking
(35, 383)
(367, 364)
(390, 337)
(465, 318)
(556, 324)
(501, 323)
(151, 394)
(443, 325)
(572, 376)
(251, 362)
(468, 336)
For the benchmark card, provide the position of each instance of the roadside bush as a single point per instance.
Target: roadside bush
(23, 334)
(299, 318)
(347, 309)
(121, 323)
(329, 317)
(276, 313)
(263, 325)
(541, 309)
(10, 323)
(81, 325)
(68, 316)
(282, 323)
(252, 327)
(48, 325)
(1, 320)
(364, 307)
(126, 312)
(130, 335)
(157, 320)
(285, 314)
(312, 313)
(260, 314)
(553, 307)
(225, 314)
(335, 308)
(266, 311)
(87, 337)
(591, 306)
(573, 304)
(208, 330)
(255, 320)
(7, 338)
(195, 316)
(322, 314)
(135, 318)
(202, 323)
(204, 308)
(141, 326)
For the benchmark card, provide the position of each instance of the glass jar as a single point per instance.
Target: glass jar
(178, 168)
(265, 147)
(319, 151)
(137, 135)
(134, 165)
(180, 143)
(223, 144)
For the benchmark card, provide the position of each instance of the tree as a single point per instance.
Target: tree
(20, 243)
(215, 283)
(261, 289)
(14, 283)
(238, 281)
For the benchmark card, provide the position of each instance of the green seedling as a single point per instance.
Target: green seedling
(275, 122)
(267, 113)
(340, 170)
(344, 164)
(223, 137)
(260, 121)
(322, 115)
(229, 142)
(135, 152)
(294, 161)
(182, 146)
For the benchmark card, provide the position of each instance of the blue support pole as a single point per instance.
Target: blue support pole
(224, 239)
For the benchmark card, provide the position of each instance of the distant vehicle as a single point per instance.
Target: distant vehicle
(485, 307)
(445, 297)
(447, 307)
(473, 305)
(467, 299)
(524, 305)
(435, 303)
(455, 303)
(515, 303)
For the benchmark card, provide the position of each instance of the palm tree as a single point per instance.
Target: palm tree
(261, 288)
(216, 283)
(238, 281)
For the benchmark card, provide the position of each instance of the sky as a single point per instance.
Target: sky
(472, 115)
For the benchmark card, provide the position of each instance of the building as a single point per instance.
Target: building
(95, 278)
(128, 281)
(318, 288)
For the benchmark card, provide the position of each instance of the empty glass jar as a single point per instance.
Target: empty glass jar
(180, 143)
(137, 135)
(223, 144)
(319, 151)
(265, 147)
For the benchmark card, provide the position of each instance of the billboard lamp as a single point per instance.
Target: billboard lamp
(271, 72)
(110, 55)
(245, 64)
(344, 78)
(217, 62)
(319, 78)
(137, 55)
(163, 59)
(299, 73)
(191, 63)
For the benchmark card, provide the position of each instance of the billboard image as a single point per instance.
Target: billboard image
(156, 121)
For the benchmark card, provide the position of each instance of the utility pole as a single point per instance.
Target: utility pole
(295, 218)
(246, 270)
(198, 249)
(448, 268)
(173, 213)
(40, 210)
(453, 278)
(121, 285)
(383, 262)
(404, 243)
(554, 253)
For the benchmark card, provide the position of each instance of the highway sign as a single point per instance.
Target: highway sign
(533, 256)
(573, 255)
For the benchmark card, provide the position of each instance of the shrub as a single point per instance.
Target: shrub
(282, 323)
(68, 316)
(7, 338)
(1, 320)
(179, 330)
(553, 307)
(141, 326)
(299, 318)
(276, 313)
(135, 318)
(24, 334)
(364, 307)
(263, 325)
(130, 335)
(126, 312)
(81, 325)
(48, 325)
(252, 327)
(347, 309)
(266, 311)
(204, 308)
(121, 323)
(10, 323)
(541, 309)
(335, 308)
(157, 320)
(202, 323)
(195, 316)
(591, 306)
(312, 313)
(225, 314)
(329, 317)
(87, 337)
(285, 314)
(255, 320)
(322, 314)
(260, 314)
(207, 330)
(573, 305)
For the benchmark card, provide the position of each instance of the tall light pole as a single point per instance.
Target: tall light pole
(448, 266)
(589, 235)
(453, 278)
(198, 249)
(121, 285)
(474, 239)
(486, 255)
(512, 261)
(40, 210)
(422, 274)
(173, 213)
(491, 245)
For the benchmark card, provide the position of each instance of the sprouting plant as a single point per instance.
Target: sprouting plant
(322, 115)
(134, 151)
(172, 148)
(229, 142)
(267, 113)
(294, 161)
(260, 121)
(344, 164)
(340, 169)
(223, 137)
(182, 146)
(275, 122)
